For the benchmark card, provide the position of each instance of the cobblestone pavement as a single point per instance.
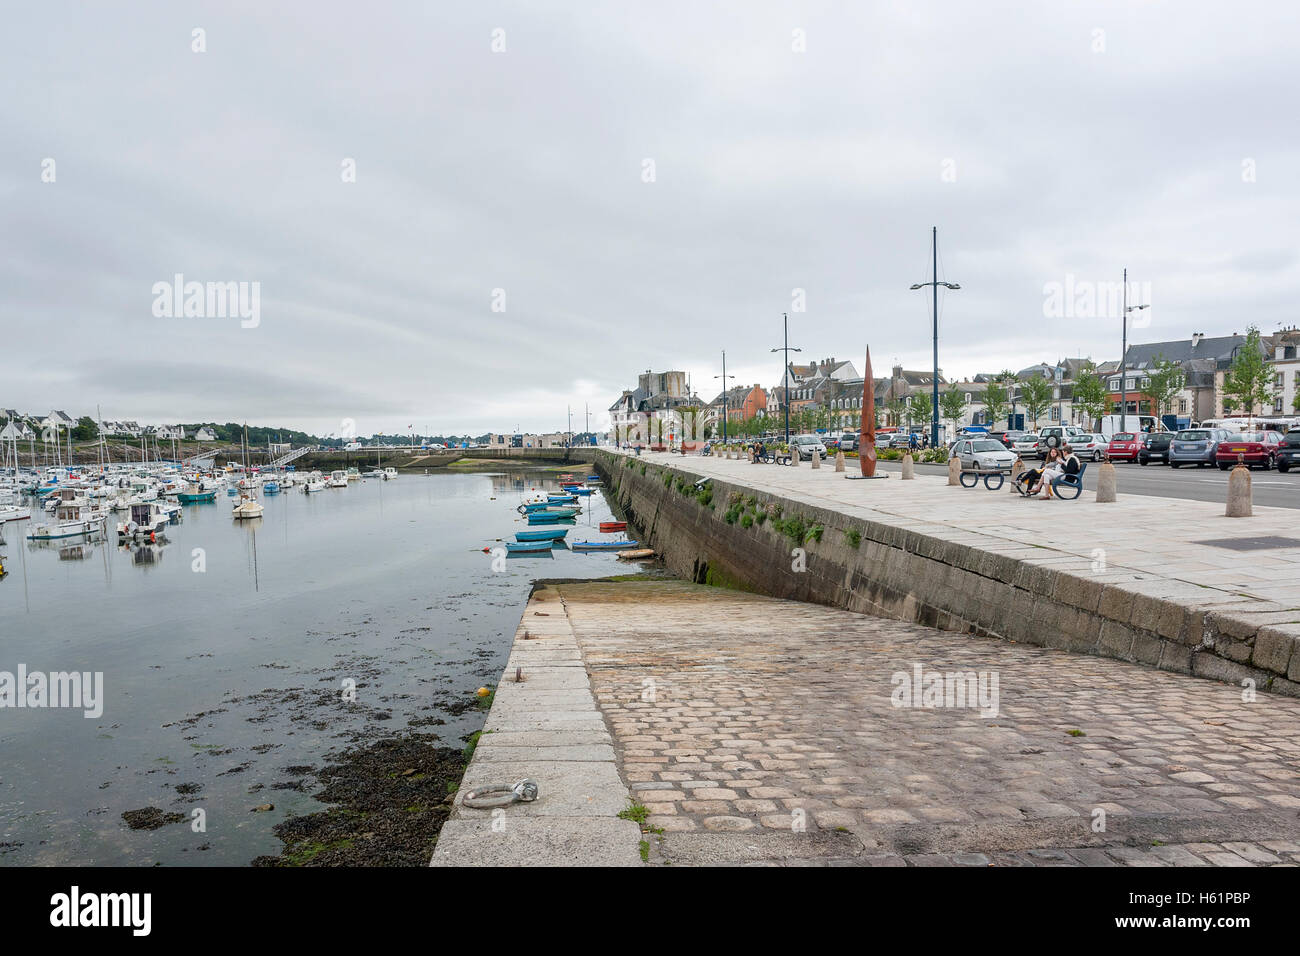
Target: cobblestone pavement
(756, 730)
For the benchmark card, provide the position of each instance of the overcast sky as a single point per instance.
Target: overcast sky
(1045, 140)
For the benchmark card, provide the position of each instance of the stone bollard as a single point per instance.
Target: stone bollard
(839, 461)
(1239, 505)
(1017, 468)
(909, 469)
(1106, 482)
(794, 456)
(816, 460)
(954, 470)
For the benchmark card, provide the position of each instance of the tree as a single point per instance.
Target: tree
(997, 401)
(952, 406)
(1036, 393)
(85, 429)
(1164, 383)
(1089, 395)
(1249, 380)
(920, 407)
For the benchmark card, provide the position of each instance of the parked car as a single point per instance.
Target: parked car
(831, 442)
(1288, 453)
(1155, 447)
(1054, 436)
(1195, 446)
(807, 446)
(1087, 445)
(984, 453)
(1124, 447)
(1257, 449)
(1028, 446)
(1007, 436)
(849, 441)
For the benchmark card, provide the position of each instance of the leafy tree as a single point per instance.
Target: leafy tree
(920, 408)
(1089, 395)
(1249, 380)
(1036, 394)
(952, 406)
(1164, 383)
(85, 429)
(997, 401)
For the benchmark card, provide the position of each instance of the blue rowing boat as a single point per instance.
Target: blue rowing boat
(602, 545)
(545, 534)
(561, 499)
(530, 506)
(549, 517)
(528, 547)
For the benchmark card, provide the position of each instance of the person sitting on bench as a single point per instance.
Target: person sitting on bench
(1050, 464)
(1026, 480)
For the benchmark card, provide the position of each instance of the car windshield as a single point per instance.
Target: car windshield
(1194, 435)
(1251, 436)
(986, 446)
(1292, 438)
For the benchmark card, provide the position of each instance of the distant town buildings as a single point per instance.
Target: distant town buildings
(826, 395)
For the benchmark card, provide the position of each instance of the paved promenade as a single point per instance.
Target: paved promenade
(1166, 546)
(756, 730)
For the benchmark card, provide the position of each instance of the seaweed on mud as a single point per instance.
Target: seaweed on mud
(389, 804)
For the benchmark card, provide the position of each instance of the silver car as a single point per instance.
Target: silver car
(986, 454)
(807, 446)
(1196, 446)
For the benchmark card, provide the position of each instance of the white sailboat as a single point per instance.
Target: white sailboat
(246, 505)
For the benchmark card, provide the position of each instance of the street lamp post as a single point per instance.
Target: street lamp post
(1123, 357)
(785, 318)
(724, 376)
(934, 285)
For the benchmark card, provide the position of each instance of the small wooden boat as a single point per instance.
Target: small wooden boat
(544, 534)
(602, 545)
(561, 499)
(580, 490)
(528, 547)
(609, 527)
(636, 555)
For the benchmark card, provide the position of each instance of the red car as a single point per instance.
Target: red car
(1256, 448)
(1124, 447)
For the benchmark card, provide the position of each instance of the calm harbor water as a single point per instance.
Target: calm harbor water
(223, 686)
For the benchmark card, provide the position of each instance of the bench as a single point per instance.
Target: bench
(1068, 483)
(988, 474)
(777, 458)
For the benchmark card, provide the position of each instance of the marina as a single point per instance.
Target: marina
(225, 645)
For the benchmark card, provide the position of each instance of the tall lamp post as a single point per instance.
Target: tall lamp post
(934, 285)
(724, 376)
(785, 318)
(1123, 357)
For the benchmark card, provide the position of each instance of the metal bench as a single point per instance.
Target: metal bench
(1069, 483)
(988, 474)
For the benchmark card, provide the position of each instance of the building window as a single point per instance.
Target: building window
(1182, 406)
(968, 398)
(1114, 385)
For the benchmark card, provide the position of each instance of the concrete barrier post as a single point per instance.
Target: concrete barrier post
(1017, 467)
(816, 460)
(1239, 493)
(1106, 482)
(839, 461)
(954, 470)
(794, 456)
(909, 468)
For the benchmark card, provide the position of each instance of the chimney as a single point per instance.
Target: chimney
(1196, 338)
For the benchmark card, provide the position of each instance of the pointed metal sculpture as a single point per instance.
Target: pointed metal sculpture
(867, 431)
